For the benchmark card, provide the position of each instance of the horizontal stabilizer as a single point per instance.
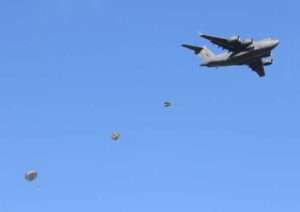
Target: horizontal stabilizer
(196, 49)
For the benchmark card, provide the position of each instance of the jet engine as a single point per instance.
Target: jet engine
(234, 38)
(248, 42)
(267, 62)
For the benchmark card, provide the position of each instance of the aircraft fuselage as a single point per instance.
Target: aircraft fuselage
(259, 49)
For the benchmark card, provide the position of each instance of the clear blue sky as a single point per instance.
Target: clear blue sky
(71, 72)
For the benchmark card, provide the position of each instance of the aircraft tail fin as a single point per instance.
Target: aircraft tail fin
(203, 52)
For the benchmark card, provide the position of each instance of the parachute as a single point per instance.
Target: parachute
(31, 175)
(167, 104)
(115, 136)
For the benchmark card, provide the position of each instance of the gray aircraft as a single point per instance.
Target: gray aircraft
(240, 52)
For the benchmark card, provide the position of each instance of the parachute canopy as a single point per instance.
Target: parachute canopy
(31, 175)
(115, 136)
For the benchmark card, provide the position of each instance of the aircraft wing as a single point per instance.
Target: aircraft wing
(231, 44)
(258, 67)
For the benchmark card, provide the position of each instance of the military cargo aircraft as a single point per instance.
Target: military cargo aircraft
(239, 52)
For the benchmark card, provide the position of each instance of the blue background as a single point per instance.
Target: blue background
(72, 72)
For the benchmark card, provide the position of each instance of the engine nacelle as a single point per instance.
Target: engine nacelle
(234, 38)
(267, 62)
(247, 42)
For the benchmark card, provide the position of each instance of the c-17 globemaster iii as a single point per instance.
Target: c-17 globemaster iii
(240, 52)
